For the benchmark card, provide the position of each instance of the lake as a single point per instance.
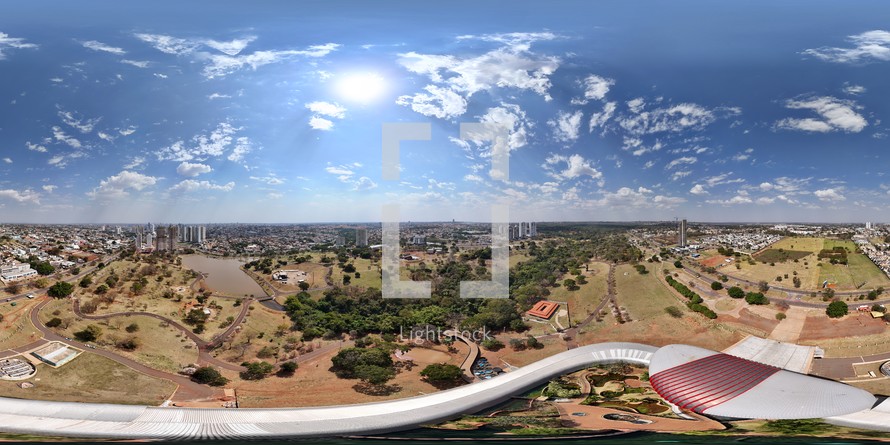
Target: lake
(223, 275)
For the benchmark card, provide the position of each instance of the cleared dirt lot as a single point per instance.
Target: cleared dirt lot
(855, 324)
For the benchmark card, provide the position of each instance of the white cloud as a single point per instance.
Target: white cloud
(7, 160)
(135, 163)
(116, 186)
(455, 79)
(219, 65)
(320, 123)
(854, 89)
(270, 180)
(672, 119)
(473, 178)
(680, 174)
(698, 189)
(339, 170)
(364, 183)
(99, 46)
(868, 46)
(738, 199)
(168, 44)
(599, 119)
(831, 195)
(502, 130)
(765, 200)
(218, 96)
(127, 131)
(29, 195)
(203, 146)
(576, 166)
(439, 102)
(191, 170)
(49, 188)
(160, 75)
(7, 42)
(327, 109)
(243, 146)
(232, 47)
(136, 63)
(35, 147)
(566, 126)
(105, 136)
(834, 114)
(60, 136)
(686, 160)
(595, 88)
(81, 124)
(191, 185)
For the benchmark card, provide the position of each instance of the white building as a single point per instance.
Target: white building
(16, 271)
(361, 237)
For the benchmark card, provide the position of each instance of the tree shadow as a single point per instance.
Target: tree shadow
(376, 390)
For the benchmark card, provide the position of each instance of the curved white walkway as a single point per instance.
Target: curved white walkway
(92, 420)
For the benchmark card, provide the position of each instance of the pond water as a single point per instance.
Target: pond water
(223, 275)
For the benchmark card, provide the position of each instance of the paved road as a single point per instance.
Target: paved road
(842, 368)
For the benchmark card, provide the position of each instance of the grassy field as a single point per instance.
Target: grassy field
(643, 295)
(370, 274)
(258, 331)
(16, 328)
(161, 347)
(860, 272)
(92, 378)
(780, 255)
(584, 300)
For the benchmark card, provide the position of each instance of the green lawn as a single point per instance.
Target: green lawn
(643, 295)
(584, 300)
(859, 272)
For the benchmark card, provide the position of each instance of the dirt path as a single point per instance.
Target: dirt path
(789, 329)
(572, 333)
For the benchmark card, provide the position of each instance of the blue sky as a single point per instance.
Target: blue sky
(221, 112)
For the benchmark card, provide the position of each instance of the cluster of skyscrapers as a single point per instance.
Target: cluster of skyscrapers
(523, 230)
(163, 238)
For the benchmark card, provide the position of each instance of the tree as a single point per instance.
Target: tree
(208, 375)
(257, 370)
(570, 284)
(288, 368)
(86, 282)
(716, 285)
(374, 375)
(90, 333)
(303, 285)
(60, 290)
(442, 373)
(132, 327)
(762, 286)
(195, 317)
(54, 322)
(14, 288)
(101, 289)
(674, 311)
(43, 268)
(678, 264)
(346, 280)
(756, 298)
(837, 309)
(735, 292)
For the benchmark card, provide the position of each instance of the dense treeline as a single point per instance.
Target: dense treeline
(695, 300)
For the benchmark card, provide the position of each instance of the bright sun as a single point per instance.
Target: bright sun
(364, 87)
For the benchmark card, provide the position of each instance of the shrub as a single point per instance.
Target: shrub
(56, 321)
(735, 292)
(132, 327)
(756, 298)
(441, 372)
(781, 316)
(674, 311)
(209, 376)
(288, 368)
(257, 370)
(716, 285)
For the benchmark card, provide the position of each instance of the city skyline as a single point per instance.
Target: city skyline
(613, 114)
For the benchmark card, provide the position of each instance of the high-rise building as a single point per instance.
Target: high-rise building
(868, 226)
(138, 245)
(361, 237)
(172, 237)
(682, 235)
(523, 230)
(149, 239)
(532, 229)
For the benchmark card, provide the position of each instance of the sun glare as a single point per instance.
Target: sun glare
(364, 87)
